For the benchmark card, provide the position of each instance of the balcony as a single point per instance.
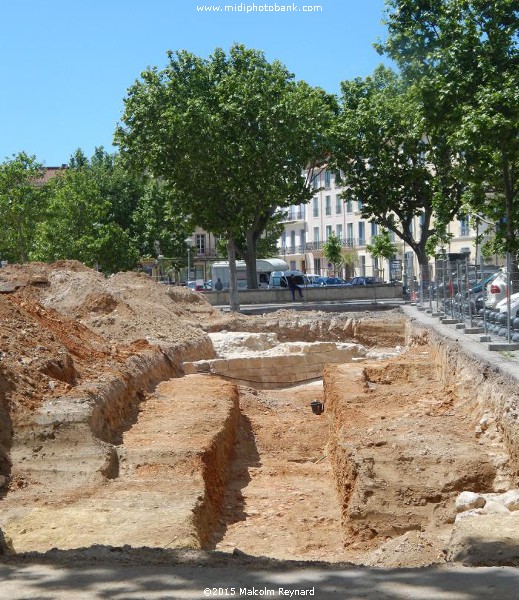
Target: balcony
(201, 254)
(294, 215)
(284, 250)
(347, 243)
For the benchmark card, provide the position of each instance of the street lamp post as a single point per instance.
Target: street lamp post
(189, 244)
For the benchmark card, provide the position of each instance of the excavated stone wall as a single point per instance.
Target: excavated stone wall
(284, 364)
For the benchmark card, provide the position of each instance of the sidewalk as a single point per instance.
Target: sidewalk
(197, 580)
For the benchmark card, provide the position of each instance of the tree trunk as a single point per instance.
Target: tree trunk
(234, 297)
(511, 239)
(250, 261)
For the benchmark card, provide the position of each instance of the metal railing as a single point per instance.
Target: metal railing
(475, 298)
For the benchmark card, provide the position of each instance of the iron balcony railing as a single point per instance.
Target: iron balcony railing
(294, 215)
(291, 250)
(209, 253)
(347, 243)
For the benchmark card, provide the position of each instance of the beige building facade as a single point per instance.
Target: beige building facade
(308, 227)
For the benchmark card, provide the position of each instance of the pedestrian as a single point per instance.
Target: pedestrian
(292, 286)
(218, 286)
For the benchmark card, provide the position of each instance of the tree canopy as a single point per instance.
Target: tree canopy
(88, 214)
(332, 250)
(231, 135)
(22, 204)
(392, 163)
(462, 57)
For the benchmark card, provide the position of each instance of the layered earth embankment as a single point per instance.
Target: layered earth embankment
(134, 413)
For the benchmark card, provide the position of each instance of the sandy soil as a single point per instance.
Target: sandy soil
(67, 329)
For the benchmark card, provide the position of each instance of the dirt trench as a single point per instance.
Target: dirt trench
(206, 462)
(280, 499)
(373, 480)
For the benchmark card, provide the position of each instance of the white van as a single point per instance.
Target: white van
(264, 267)
(279, 279)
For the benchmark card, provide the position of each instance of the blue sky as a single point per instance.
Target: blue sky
(66, 65)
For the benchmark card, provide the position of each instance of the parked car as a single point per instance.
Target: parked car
(200, 286)
(496, 290)
(365, 281)
(332, 281)
(315, 280)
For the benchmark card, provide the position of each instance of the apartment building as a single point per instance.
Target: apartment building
(202, 253)
(308, 227)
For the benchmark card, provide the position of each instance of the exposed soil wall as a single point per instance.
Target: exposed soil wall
(75, 434)
(215, 470)
(409, 434)
(490, 394)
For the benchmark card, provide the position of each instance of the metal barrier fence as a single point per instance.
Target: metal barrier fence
(476, 298)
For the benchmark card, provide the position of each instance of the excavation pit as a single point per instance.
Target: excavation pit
(215, 445)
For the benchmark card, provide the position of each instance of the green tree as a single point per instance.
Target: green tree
(81, 217)
(157, 228)
(382, 246)
(231, 135)
(391, 162)
(266, 245)
(22, 205)
(462, 57)
(349, 258)
(332, 250)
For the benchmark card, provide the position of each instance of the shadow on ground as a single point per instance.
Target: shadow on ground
(151, 574)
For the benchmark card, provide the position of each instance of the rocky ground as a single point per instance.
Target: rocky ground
(74, 342)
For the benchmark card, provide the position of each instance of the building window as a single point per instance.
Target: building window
(362, 233)
(316, 234)
(464, 226)
(338, 231)
(293, 240)
(302, 237)
(316, 207)
(328, 231)
(349, 234)
(317, 266)
(374, 229)
(349, 206)
(359, 205)
(200, 243)
(315, 182)
(327, 180)
(328, 205)
(338, 205)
